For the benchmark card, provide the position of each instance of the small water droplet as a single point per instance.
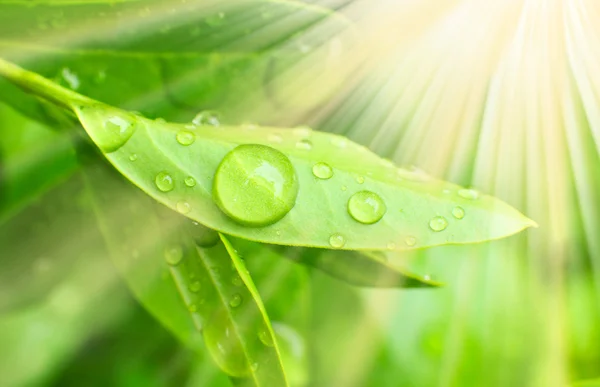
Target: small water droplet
(276, 138)
(470, 194)
(236, 300)
(427, 277)
(322, 171)
(304, 145)
(207, 117)
(344, 188)
(255, 185)
(337, 241)
(160, 120)
(237, 281)
(391, 246)
(164, 182)
(438, 223)
(203, 236)
(360, 179)
(339, 142)
(249, 126)
(133, 157)
(185, 138)
(458, 212)
(173, 255)
(265, 337)
(366, 207)
(71, 79)
(215, 20)
(224, 345)
(193, 308)
(190, 181)
(195, 286)
(410, 241)
(254, 367)
(183, 207)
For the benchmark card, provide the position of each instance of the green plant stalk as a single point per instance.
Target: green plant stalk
(40, 86)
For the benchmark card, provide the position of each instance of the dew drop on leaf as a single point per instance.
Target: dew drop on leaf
(322, 171)
(366, 207)
(193, 308)
(458, 212)
(470, 194)
(164, 181)
(255, 185)
(183, 207)
(236, 300)
(344, 188)
(265, 337)
(185, 138)
(237, 281)
(304, 145)
(224, 346)
(360, 179)
(337, 241)
(275, 138)
(202, 235)
(133, 157)
(438, 223)
(207, 117)
(215, 20)
(195, 286)
(173, 255)
(410, 241)
(116, 131)
(190, 181)
(391, 246)
(302, 131)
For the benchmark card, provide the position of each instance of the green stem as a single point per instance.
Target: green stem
(40, 86)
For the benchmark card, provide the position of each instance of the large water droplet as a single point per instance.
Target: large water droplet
(366, 207)
(236, 300)
(185, 138)
(114, 134)
(207, 117)
(322, 171)
(164, 182)
(337, 241)
(224, 345)
(458, 212)
(470, 194)
(173, 255)
(255, 185)
(438, 223)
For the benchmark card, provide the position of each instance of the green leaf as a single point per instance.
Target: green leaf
(361, 268)
(169, 60)
(204, 291)
(158, 157)
(33, 159)
(137, 245)
(237, 330)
